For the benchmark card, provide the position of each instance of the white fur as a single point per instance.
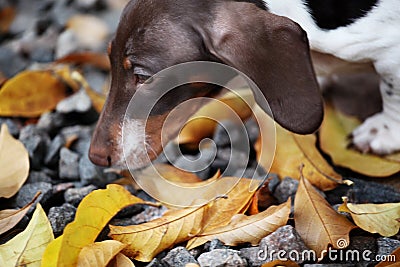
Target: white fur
(131, 145)
(373, 38)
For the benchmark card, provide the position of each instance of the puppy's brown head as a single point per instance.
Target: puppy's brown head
(153, 35)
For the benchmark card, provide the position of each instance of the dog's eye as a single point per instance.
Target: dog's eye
(141, 79)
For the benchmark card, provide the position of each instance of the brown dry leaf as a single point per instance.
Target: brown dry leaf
(121, 261)
(201, 126)
(31, 93)
(278, 263)
(334, 133)
(7, 16)
(9, 218)
(392, 260)
(247, 229)
(26, 249)
(293, 151)
(176, 175)
(318, 224)
(99, 254)
(99, 60)
(146, 240)
(375, 218)
(93, 213)
(14, 163)
(223, 209)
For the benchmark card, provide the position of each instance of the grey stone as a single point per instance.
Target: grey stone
(42, 54)
(221, 258)
(78, 102)
(86, 4)
(155, 263)
(28, 191)
(274, 182)
(38, 176)
(386, 245)
(35, 142)
(87, 171)
(361, 244)
(252, 129)
(53, 152)
(196, 163)
(67, 43)
(68, 164)
(83, 133)
(287, 239)
(59, 217)
(51, 122)
(178, 257)
(214, 244)
(286, 189)
(75, 195)
(12, 125)
(252, 256)
(11, 63)
(171, 153)
(150, 213)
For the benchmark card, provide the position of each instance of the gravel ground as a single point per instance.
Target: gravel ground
(64, 174)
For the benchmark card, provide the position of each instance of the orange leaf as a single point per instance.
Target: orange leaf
(31, 93)
(317, 222)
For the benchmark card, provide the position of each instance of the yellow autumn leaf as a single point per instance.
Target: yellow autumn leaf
(121, 261)
(99, 254)
(93, 213)
(31, 93)
(14, 163)
(146, 240)
(375, 218)
(247, 229)
(318, 224)
(9, 218)
(293, 151)
(229, 107)
(334, 133)
(27, 248)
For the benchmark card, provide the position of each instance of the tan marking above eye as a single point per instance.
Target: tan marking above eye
(127, 64)
(109, 48)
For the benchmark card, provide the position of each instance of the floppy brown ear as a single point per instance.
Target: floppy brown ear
(273, 51)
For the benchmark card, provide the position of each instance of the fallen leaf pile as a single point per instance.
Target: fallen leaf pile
(235, 217)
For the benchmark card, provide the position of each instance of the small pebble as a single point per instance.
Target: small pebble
(287, 188)
(285, 238)
(53, 151)
(59, 217)
(78, 102)
(221, 258)
(386, 245)
(38, 176)
(75, 195)
(35, 142)
(178, 257)
(28, 191)
(69, 164)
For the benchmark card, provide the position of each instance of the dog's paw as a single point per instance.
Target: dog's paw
(379, 134)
